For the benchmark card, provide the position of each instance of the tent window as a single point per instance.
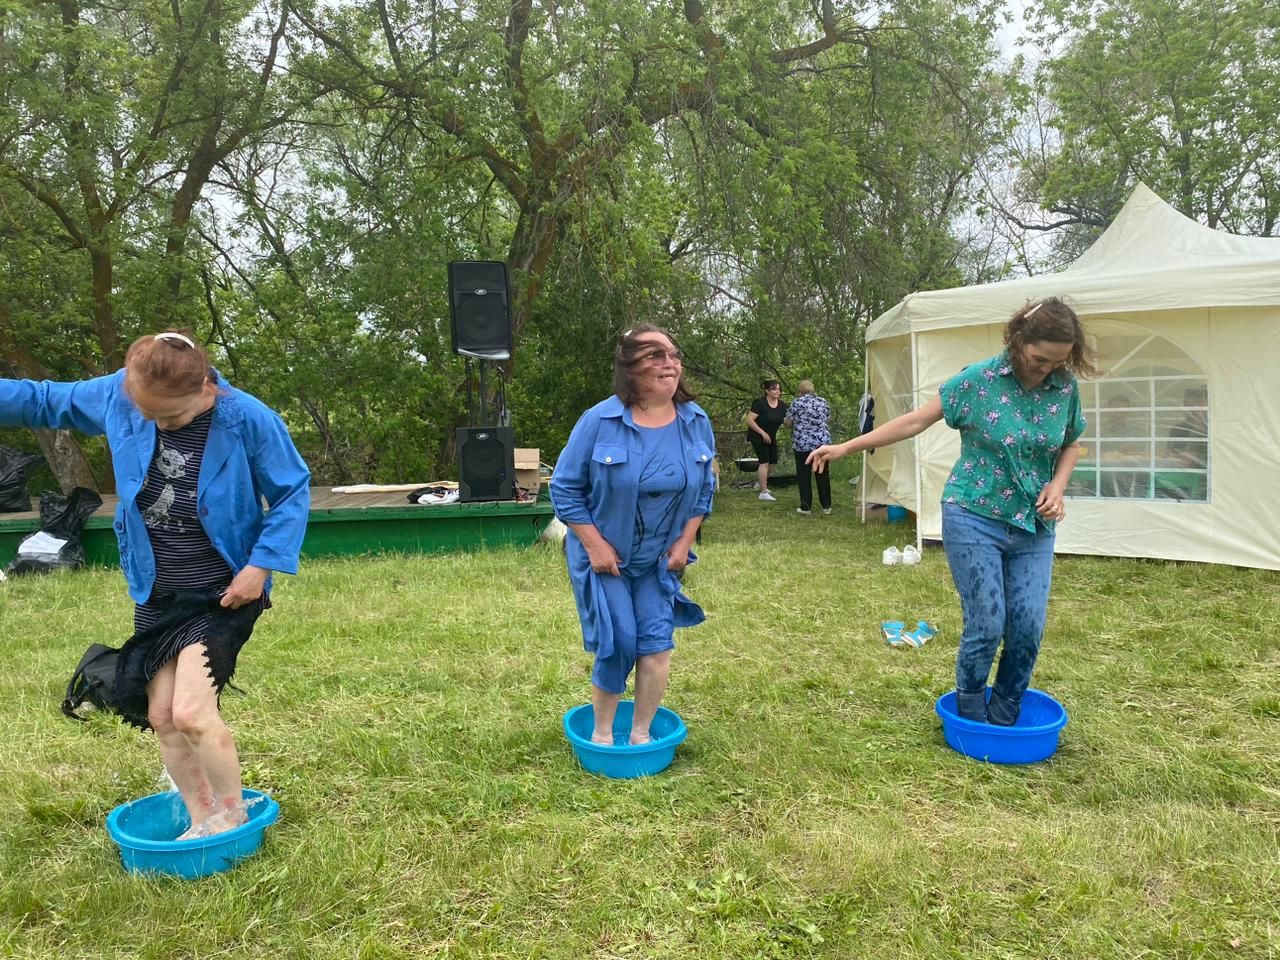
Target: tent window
(1148, 433)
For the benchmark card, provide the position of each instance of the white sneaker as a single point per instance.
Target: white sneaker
(802, 510)
(826, 511)
(910, 555)
(892, 557)
(766, 495)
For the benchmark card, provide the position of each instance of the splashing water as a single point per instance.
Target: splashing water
(223, 820)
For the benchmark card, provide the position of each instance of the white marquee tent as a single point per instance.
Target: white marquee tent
(1182, 453)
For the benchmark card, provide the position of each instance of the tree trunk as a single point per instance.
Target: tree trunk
(530, 251)
(104, 324)
(65, 458)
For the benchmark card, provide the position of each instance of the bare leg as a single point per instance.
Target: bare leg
(652, 671)
(196, 717)
(604, 706)
(175, 752)
(762, 475)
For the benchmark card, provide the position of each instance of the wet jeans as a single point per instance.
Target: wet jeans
(1002, 574)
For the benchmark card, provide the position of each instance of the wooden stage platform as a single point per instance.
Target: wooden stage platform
(344, 524)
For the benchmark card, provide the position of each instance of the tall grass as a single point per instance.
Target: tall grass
(405, 711)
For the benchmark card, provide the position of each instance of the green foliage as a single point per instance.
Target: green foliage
(758, 179)
(1184, 96)
(112, 120)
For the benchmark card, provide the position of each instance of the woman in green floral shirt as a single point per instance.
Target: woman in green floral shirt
(1019, 419)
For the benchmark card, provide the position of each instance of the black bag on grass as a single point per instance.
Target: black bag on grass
(94, 682)
(15, 467)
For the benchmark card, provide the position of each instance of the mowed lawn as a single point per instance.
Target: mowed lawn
(406, 713)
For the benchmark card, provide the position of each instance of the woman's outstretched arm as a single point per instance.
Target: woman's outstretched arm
(899, 428)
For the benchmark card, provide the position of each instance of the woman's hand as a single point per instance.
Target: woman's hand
(245, 588)
(678, 557)
(604, 559)
(1050, 504)
(755, 427)
(818, 459)
(600, 553)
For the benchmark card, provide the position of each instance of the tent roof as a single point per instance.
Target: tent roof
(1150, 258)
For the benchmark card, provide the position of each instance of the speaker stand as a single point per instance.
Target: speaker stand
(502, 415)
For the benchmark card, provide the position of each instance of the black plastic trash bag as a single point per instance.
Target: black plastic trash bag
(15, 467)
(57, 546)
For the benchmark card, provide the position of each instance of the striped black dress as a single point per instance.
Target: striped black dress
(191, 575)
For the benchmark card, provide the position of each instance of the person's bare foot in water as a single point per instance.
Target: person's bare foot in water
(217, 822)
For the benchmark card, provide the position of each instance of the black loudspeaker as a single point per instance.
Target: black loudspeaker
(486, 463)
(480, 309)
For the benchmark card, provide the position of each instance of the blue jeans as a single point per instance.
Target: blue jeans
(1002, 574)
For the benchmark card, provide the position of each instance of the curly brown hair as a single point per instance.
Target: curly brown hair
(1051, 321)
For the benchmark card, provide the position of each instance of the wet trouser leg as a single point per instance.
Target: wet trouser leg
(1002, 574)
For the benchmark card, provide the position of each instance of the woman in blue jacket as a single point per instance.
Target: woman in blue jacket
(632, 485)
(194, 461)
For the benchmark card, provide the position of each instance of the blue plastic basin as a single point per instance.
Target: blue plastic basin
(895, 513)
(1032, 739)
(145, 829)
(624, 761)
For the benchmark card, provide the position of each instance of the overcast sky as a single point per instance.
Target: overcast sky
(1011, 31)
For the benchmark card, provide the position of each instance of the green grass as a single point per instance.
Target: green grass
(406, 714)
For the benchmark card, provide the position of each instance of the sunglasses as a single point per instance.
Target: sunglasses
(658, 356)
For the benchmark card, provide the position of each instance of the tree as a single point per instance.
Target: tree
(762, 178)
(1183, 95)
(657, 162)
(35, 275)
(550, 98)
(112, 120)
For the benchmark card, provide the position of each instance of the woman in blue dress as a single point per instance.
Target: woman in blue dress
(1019, 418)
(195, 460)
(632, 485)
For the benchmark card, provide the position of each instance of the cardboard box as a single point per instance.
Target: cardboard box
(527, 473)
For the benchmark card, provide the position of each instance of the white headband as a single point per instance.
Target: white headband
(1032, 312)
(175, 336)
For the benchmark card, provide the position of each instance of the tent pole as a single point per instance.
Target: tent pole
(915, 441)
(866, 388)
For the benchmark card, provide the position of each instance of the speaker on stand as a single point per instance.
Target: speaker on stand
(486, 463)
(480, 309)
(480, 322)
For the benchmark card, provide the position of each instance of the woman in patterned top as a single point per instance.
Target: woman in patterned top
(1019, 419)
(807, 417)
(194, 461)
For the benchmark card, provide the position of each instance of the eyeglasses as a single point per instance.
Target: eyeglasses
(658, 356)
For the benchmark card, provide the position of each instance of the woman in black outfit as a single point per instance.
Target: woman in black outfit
(766, 416)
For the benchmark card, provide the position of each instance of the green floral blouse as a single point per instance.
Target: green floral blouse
(1010, 438)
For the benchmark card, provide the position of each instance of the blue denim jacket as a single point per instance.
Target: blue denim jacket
(248, 457)
(597, 481)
